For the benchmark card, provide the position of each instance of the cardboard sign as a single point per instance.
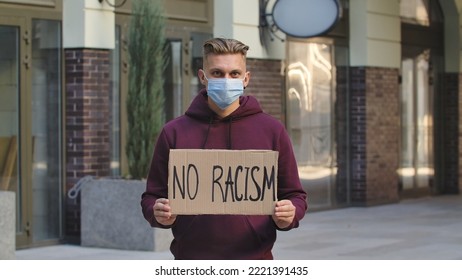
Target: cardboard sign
(222, 181)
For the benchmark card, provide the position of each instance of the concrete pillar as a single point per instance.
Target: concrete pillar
(88, 24)
(239, 19)
(375, 33)
(88, 37)
(7, 225)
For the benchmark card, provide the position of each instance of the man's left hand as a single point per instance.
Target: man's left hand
(284, 213)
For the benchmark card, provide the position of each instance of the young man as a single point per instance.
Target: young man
(220, 117)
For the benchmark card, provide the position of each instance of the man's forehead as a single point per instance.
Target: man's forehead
(225, 61)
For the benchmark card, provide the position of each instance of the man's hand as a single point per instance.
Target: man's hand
(162, 212)
(284, 213)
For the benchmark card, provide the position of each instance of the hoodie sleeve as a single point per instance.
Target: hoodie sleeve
(289, 185)
(156, 185)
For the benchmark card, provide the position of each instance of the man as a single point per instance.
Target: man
(220, 117)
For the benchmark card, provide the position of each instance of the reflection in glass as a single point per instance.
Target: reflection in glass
(46, 129)
(114, 101)
(416, 168)
(181, 82)
(173, 80)
(310, 99)
(9, 115)
(195, 44)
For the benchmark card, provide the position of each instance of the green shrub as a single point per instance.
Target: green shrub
(145, 100)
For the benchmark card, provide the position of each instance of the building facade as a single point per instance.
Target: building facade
(372, 107)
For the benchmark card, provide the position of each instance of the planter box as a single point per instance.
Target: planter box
(111, 217)
(7, 225)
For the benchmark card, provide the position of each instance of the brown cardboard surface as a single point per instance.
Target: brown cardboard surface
(222, 181)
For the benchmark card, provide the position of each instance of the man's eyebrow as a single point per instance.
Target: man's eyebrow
(221, 71)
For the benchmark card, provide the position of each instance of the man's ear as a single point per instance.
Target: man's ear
(246, 79)
(201, 76)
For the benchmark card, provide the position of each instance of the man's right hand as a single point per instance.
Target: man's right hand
(162, 212)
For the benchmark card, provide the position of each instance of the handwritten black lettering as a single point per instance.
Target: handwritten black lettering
(268, 183)
(246, 192)
(217, 182)
(229, 185)
(185, 182)
(240, 183)
(255, 182)
(176, 182)
(236, 179)
(192, 197)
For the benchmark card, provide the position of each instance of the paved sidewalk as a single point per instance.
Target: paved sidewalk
(417, 229)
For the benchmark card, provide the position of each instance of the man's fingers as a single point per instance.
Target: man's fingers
(285, 208)
(162, 204)
(283, 214)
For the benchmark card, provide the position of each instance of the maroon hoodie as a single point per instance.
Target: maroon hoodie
(224, 236)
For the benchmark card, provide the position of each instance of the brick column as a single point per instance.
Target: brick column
(454, 84)
(87, 124)
(341, 134)
(374, 132)
(446, 126)
(266, 84)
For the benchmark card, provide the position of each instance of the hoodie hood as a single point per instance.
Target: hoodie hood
(200, 110)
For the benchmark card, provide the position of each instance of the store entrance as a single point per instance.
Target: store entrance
(30, 126)
(421, 67)
(416, 163)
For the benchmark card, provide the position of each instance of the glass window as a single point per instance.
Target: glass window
(310, 87)
(181, 83)
(173, 85)
(196, 44)
(114, 101)
(9, 113)
(420, 68)
(416, 168)
(46, 129)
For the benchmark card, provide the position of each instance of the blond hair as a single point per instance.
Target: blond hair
(224, 46)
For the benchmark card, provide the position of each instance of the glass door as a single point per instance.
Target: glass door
(310, 99)
(416, 166)
(45, 130)
(12, 64)
(30, 126)
(184, 52)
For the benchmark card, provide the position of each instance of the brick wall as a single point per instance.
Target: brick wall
(358, 154)
(383, 132)
(341, 135)
(87, 124)
(267, 85)
(375, 123)
(447, 135)
(456, 98)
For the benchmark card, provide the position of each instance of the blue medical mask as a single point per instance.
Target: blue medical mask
(224, 91)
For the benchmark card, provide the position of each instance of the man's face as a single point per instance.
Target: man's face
(230, 66)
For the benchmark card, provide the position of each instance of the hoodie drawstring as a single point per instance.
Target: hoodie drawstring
(229, 142)
(230, 146)
(208, 131)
